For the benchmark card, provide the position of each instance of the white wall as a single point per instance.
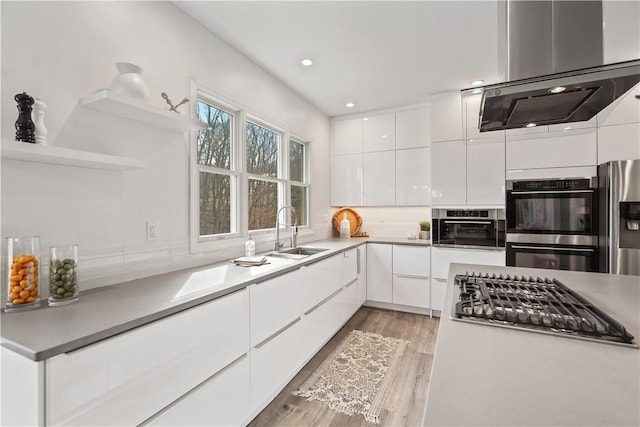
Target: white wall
(62, 51)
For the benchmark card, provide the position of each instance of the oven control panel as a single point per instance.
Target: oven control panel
(553, 184)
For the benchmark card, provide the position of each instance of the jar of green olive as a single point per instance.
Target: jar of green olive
(63, 275)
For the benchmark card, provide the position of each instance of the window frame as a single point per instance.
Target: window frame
(240, 211)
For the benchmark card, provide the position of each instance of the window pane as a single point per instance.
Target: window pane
(296, 161)
(215, 204)
(263, 204)
(262, 150)
(214, 142)
(299, 203)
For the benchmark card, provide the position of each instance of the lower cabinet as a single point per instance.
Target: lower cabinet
(362, 274)
(411, 270)
(379, 272)
(222, 400)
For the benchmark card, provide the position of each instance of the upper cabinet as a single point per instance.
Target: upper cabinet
(413, 128)
(382, 159)
(379, 133)
(446, 117)
(449, 173)
(347, 136)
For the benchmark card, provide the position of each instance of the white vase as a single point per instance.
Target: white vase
(129, 82)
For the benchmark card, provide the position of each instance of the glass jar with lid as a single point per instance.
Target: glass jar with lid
(23, 273)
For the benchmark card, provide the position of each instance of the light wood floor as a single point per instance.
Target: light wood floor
(404, 406)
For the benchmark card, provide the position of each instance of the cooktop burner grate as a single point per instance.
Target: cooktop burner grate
(544, 305)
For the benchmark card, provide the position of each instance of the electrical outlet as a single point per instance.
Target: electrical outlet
(153, 230)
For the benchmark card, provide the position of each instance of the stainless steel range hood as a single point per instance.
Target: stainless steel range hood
(555, 67)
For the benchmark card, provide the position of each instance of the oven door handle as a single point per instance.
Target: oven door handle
(553, 192)
(467, 222)
(552, 248)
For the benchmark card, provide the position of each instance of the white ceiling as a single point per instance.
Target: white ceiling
(376, 54)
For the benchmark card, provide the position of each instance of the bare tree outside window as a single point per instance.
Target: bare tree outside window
(263, 147)
(214, 153)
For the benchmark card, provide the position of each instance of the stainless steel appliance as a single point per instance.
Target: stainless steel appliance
(552, 224)
(555, 67)
(468, 228)
(619, 211)
(533, 304)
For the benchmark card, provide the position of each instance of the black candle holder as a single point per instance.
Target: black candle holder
(25, 128)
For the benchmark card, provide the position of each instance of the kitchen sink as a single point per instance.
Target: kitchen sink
(297, 253)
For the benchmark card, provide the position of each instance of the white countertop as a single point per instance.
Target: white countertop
(104, 312)
(489, 376)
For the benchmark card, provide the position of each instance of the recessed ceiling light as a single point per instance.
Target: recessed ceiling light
(307, 62)
(383, 136)
(530, 125)
(477, 82)
(365, 119)
(350, 105)
(557, 89)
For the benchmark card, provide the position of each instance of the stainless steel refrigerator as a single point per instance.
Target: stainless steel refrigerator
(619, 217)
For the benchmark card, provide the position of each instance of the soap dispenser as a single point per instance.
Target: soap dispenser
(250, 247)
(345, 227)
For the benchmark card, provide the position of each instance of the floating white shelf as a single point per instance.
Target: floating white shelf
(140, 111)
(13, 150)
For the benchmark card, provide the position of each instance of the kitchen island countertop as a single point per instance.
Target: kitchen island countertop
(107, 311)
(484, 375)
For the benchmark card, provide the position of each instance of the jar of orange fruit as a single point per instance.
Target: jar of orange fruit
(23, 271)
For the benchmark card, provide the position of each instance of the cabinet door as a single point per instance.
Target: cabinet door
(442, 257)
(449, 173)
(362, 274)
(379, 273)
(380, 178)
(98, 383)
(413, 177)
(438, 291)
(347, 182)
(379, 133)
(347, 136)
(413, 128)
(552, 150)
(349, 270)
(411, 291)
(619, 142)
(274, 303)
(486, 171)
(411, 260)
(446, 117)
(223, 400)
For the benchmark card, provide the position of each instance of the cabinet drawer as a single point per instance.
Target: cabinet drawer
(442, 257)
(320, 280)
(160, 361)
(438, 291)
(222, 400)
(411, 260)
(411, 291)
(349, 267)
(274, 304)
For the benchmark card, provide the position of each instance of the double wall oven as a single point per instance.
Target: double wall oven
(552, 224)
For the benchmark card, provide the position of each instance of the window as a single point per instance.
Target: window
(243, 170)
(217, 174)
(264, 175)
(298, 181)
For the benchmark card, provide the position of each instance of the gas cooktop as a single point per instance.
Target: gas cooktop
(534, 304)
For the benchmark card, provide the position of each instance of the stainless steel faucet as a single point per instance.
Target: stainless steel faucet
(294, 230)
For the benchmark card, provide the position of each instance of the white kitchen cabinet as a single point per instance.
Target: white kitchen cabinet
(274, 304)
(449, 173)
(348, 299)
(413, 128)
(320, 280)
(446, 117)
(438, 291)
(347, 182)
(379, 178)
(96, 384)
(362, 274)
(442, 257)
(347, 136)
(413, 177)
(621, 19)
(619, 142)
(274, 362)
(222, 400)
(349, 268)
(411, 271)
(623, 110)
(486, 171)
(379, 272)
(379, 133)
(551, 150)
